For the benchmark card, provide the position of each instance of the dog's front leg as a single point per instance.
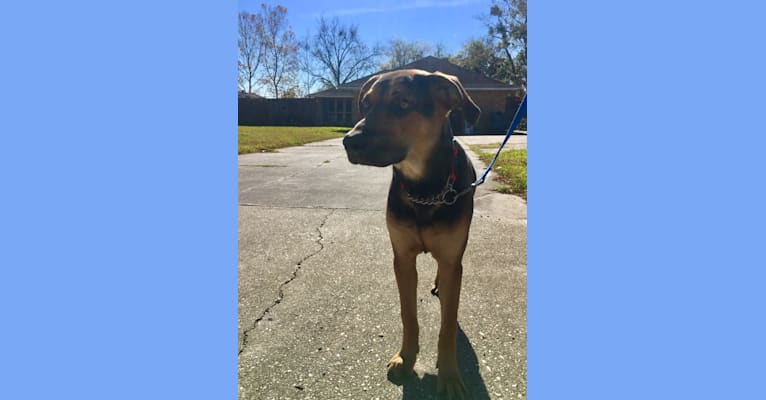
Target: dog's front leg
(448, 381)
(402, 363)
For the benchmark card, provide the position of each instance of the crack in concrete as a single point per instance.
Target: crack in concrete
(280, 293)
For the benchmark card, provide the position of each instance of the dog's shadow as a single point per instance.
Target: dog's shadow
(424, 387)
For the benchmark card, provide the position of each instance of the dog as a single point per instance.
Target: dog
(405, 123)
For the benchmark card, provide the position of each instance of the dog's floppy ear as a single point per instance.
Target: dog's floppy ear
(367, 85)
(447, 89)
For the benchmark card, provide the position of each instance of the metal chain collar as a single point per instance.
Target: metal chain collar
(448, 196)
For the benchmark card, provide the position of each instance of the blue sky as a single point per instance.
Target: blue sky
(451, 22)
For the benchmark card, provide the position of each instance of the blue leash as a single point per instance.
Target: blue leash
(449, 195)
(520, 112)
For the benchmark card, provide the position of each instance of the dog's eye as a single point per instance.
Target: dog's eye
(404, 104)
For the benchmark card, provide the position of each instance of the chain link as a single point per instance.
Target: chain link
(448, 196)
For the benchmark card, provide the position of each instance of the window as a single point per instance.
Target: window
(339, 111)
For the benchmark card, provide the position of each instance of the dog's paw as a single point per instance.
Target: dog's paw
(450, 386)
(399, 368)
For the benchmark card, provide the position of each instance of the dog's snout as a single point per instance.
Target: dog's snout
(354, 141)
(372, 147)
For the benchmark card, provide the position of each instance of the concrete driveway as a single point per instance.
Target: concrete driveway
(318, 307)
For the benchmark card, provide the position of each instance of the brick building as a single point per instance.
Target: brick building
(339, 107)
(497, 100)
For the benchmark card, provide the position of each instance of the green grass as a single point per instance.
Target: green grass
(256, 139)
(510, 168)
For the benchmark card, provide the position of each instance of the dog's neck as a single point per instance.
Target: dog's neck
(428, 167)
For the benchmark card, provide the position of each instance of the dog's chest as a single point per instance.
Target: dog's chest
(424, 215)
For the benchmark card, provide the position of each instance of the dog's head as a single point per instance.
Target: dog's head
(403, 113)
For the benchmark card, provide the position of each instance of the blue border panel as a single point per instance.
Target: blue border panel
(118, 215)
(118, 218)
(646, 200)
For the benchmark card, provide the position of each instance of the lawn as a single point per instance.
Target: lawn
(510, 168)
(255, 139)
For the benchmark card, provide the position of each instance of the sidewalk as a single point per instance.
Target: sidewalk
(514, 142)
(319, 312)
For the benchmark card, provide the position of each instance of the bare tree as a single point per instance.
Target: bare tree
(250, 45)
(308, 67)
(291, 92)
(280, 62)
(401, 53)
(507, 26)
(439, 50)
(341, 54)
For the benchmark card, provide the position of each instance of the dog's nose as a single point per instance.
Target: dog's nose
(354, 141)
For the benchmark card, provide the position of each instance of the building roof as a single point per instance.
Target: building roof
(243, 94)
(471, 80)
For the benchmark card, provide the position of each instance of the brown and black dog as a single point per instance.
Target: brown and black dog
(430, 202)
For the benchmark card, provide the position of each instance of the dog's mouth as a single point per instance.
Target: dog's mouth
(376, 157)
(371, 150)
